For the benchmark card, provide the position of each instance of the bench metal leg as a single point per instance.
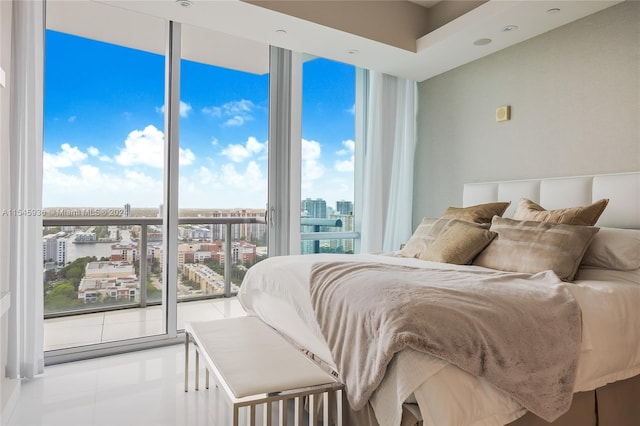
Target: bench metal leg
(299, 411)
(267, 414)
(236, 412)
(326, 407)
(339, 407)
(186, 362)
(283, 412)
(252, 415)
(197, 369)
(313, 409)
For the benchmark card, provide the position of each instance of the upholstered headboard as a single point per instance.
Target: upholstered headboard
(622, 190)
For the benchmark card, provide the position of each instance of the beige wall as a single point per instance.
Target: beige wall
(8, 388)
(575, 99)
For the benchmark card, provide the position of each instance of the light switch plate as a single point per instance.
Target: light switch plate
(503, 113)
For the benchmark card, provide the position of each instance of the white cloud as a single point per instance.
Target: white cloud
(238, 153)
(93, 151)
(236, 113)
(72, 119)
(252, 177)
(146, 147)
(89, 186)
(65, 158)
(346, 165)
(226, 186)
(312, 168)
(185, 109)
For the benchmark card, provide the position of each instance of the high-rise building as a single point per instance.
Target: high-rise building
(127, 210)
(344, 207)
(54, 249)
(314, 208)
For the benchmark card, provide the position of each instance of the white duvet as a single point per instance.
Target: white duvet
(277, 291)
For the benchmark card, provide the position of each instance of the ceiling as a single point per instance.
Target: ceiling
(412, 39)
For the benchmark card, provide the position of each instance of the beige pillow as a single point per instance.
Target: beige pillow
(587, 215)
(426, 233)
(525, 246)
(459, 243)
(481, 213)
(420, 239)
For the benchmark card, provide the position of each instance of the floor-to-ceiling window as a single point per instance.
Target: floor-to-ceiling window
(151, 202)
(223, 178)
(103, 161)
(328, 147)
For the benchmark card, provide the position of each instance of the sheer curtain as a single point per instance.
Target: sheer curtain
(25, 335)
(389, 147)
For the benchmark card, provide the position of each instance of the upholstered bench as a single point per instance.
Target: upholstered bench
(256, 365)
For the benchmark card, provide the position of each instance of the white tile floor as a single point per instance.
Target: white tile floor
(138, 388)
(101, 327)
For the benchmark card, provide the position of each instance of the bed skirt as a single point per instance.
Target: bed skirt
(615, 404)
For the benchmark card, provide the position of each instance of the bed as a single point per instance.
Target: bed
(594, 358)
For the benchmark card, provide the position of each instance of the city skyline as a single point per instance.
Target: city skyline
(103, 144)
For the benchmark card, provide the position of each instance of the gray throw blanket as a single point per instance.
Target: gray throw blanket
(521, 332)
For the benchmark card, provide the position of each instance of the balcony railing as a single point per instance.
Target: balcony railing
(144, 224)
(142, 249)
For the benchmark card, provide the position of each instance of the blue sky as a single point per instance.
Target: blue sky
(103, 143)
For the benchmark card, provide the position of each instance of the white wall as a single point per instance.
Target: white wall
(575, 99)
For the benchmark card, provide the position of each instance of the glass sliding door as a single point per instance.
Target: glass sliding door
(103, 174)
(223, 168)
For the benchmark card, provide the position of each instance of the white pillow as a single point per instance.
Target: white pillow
(614, 248)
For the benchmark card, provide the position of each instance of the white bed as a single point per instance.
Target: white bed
(277, 290)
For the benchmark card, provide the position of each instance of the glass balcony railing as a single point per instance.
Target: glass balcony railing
(99, 264)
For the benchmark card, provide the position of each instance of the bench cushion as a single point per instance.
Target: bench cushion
(253, 358)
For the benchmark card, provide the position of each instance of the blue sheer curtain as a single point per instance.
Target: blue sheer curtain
(25, 356)
(387, 175)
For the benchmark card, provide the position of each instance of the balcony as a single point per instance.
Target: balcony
(105, 303)
(112, 285)
(109, 326)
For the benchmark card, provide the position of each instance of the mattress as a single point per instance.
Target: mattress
(277, 291)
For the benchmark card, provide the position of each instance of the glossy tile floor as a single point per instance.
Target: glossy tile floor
(138, 388)
(101, 327)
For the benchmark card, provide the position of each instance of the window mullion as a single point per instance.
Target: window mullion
(171, 170)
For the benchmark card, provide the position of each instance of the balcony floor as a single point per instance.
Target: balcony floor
(86, 329)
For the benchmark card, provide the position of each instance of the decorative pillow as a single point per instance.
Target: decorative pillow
(426, 233)
(586, 216)
(525, 246)
(459, 243)
(481, 213)
(420, 239)
(614, 248)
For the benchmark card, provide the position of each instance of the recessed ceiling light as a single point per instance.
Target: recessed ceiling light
(281, 32)
(553, 10)
(508, 28)
(353, 51)
(482, 41)
(184, 3)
